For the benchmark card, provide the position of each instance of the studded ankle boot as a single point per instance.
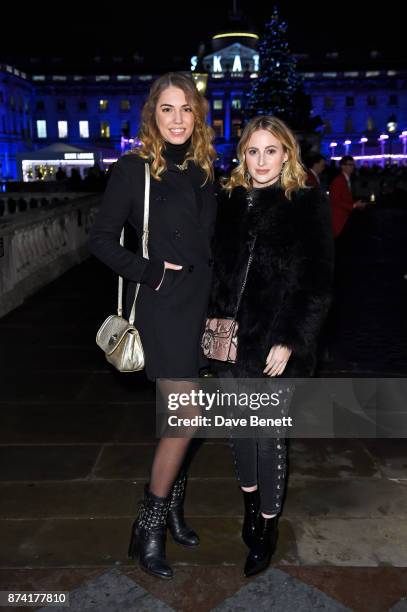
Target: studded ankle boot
(263, 546)
(148, 535)
(179, 530)
(251, 510)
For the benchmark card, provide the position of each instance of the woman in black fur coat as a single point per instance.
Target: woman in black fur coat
(265, 203)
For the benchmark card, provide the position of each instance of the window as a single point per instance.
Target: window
(12, 103)
(40, 105)
(327, 127)
(103, 105)
(370, 124)
(348, 125)
(41, 128)
(62, 129)
(371, 100)
(125, 105)
(393, 99)
(236, 128)
(328, 102)
(126, 129)
(61, 105)
(104, 129)
(84, 129)
(236, 103)
(350, 101)
(82, 105)
(218, 128)
(218, 104)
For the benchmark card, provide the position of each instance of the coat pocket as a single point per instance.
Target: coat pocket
(172, 279)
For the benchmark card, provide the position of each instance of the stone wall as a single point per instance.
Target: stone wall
(38, 245)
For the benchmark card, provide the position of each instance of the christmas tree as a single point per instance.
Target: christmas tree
(273, 92)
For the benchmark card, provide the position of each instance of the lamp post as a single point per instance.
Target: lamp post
(332, 147)
(403, 137)
(362, 141)
(391, 128)
(200, 76)
(382, 140)
(347, 144)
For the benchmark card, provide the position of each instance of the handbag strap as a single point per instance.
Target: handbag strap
(144, 240)
(249, 263)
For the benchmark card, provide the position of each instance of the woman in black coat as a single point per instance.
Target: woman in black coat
(175, 280)
(265, 208)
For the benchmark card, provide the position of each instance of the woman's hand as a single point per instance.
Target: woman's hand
(171, 266)
(277, 360)
(168, 266)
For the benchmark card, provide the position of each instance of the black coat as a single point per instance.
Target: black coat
(170, 320)
(288, 289)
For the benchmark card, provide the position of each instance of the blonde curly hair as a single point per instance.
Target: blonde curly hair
(151, 145)
(293, 175)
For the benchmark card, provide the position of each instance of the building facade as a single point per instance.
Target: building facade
(363, 109)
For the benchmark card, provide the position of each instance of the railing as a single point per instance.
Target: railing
(13, 203)
(37, 246)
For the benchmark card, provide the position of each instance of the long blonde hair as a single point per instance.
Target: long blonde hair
(293, 175)
(151, 141)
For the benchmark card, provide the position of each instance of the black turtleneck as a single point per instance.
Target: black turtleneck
(176, 152)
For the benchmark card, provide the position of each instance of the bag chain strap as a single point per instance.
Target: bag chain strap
(249, 263)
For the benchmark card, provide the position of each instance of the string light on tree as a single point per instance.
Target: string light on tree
(273, 91)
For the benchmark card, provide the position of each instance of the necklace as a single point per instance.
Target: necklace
(182, 166)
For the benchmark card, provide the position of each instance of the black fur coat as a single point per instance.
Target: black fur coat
(288, 290)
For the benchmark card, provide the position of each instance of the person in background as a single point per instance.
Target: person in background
(316, 165)
(340, 195)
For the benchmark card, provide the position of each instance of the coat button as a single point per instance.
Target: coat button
(191, 268)
(177, 234)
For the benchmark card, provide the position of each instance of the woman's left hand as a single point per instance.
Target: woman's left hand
(277, 360)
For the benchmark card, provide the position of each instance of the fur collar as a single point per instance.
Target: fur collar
(270, 208)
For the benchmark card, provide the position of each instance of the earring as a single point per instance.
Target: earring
(282, 169)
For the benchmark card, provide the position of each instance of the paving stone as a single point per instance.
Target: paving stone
(354, 542)
(51, 462)
(330, 458)
(112, 591)
(346, 498)
(275, 590)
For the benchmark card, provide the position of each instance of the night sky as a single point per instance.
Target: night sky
(77, 31)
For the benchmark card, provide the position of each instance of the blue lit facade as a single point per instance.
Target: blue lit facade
(17, 95)
(103, 111)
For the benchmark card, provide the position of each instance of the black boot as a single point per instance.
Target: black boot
(148, 535)
(251, 510)
(181, 533)
(263, 547)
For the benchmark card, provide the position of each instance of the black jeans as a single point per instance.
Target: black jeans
(262, 461)
(259, 461)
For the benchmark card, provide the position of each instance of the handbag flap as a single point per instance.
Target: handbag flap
(222, 328)
(111, 333)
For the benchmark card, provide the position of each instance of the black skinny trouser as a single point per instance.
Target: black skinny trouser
(260, 461)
